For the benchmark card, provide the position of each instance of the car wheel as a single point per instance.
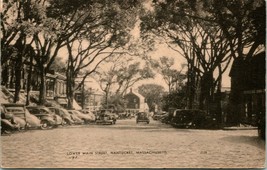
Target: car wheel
(67, 122)
(45, 124)
(63, 122)
(85, 121)
(147, 122)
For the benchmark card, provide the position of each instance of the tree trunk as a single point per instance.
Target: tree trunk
(70, 97)
(238, 84)
(42, 90)
(29, 81)
(206, 86)
(18, 68)
(70, 87)
(218, 99)
(190, 86)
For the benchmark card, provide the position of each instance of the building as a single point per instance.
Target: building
(56, 88)
(248, 89)
(135, 102)
(89, 99)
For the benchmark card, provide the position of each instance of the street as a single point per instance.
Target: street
(127, 144)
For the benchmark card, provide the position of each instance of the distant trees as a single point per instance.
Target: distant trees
(176, 99)
(172, 77)
(119, 74)
(153, 94)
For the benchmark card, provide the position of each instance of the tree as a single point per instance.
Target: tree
(245, 37)
(104, 30)
(30, 23)
(16, 28)
(153, 94)
(175, 99)
(119, 73)
(171, 76)
(201, 43)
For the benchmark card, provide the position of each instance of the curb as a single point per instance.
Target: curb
(240, 128)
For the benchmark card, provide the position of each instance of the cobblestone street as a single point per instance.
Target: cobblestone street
(128, 144)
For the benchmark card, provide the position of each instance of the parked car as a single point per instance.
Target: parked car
(90, 114)
(187, 118)
(142, 117)
(158, 115)
(87, 118)
(22, 115)
(105, 117)
(32, 120)
(63, 113)
(18, 112)
(7, 122)
(76, 117)
(48, 119)
(19, 120)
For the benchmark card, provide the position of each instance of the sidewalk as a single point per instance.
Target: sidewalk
(241, 127)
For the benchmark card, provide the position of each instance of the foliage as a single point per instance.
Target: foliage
(120, 73)
(192, 32)
(172, 77)
(104, 29)
(153, 95)
(175, 99)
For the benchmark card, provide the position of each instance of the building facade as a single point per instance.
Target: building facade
(135, 102)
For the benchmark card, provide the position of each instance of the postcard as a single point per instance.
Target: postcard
(133, 84)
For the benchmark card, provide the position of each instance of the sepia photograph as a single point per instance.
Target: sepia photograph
(133, 84)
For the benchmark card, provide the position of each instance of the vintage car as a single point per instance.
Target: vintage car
(142, 117)
(190, 118)
(8, 123)
(86, 118)
(20, 111)
(48, 119)
(20, 114)
(158, 115)
(64, 114)
(75, 118)
(91, 114)
(105, 116)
